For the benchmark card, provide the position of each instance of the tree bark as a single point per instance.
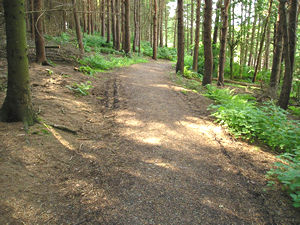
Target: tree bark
(103, 18)
(166, 26)
(127, 27)
(108, 34)
(118, 28)
(197, 37)
(208, 55)
(180, 39)
(289, 36)
(154, 44)
(262, 42)
(78, 30)
(222, 56)
(113, 22)
(17, 104)
(277, 57)
(252, 36)
(39, 36)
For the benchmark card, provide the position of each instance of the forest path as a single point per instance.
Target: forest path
(174, 166)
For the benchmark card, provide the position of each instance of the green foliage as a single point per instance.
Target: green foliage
(287, 174)
(95, 41)
(82, 88)
(245, 119)
(100, 63)
(49, 72)
(295, 110)
(162, 53)
(268, 123)
(87, 70)
(62, 39)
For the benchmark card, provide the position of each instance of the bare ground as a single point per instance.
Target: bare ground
(145, 153)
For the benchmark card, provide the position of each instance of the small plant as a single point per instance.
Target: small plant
(49, 72)
(82, 88)
(287, 175)
(87, 70)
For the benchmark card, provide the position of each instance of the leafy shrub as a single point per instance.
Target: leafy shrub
(87, 70)
(100, 63)
(287, 174)
(162, 52)
(82, 88)
(268, 123)
(62, 39)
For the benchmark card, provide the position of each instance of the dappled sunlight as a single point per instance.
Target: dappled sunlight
(151, 140)
(162, 164)
(62, 140)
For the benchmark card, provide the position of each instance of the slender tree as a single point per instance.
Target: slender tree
(180, 39)
(118, 28)
(127, 26)
(78, 30)
(154, 46)
(39, 35)
(208, 55)
(289, 36)
(223, 42)
(17, 104)
(197, 37)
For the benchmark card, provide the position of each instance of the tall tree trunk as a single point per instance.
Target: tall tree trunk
(248, 34)
(17, 104)
(267, 47)
(127, 27)
(262, 42)
(135, 20)
(39, 36)
(103, 18)
(277, 57)
(166, 26)
(216, 28)
(192, 24)
(118, 28)
(113, 22)
(78, 30)
(175, 32)
(108, 34)
(222, 57)
(161, 37)
(289, 36)
(252, 36)
(180, 39)
(207, 44)
(197, 37)
(154, 46)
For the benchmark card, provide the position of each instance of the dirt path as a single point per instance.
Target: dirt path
(178, 167)
(146, 152)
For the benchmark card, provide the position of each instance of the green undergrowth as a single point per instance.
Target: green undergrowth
(267, 123)
(81, 89)
(162, 52)
(98, 63)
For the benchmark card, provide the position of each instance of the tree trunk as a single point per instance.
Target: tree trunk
(208, 55)
(127, 27)
(289, 36)
(252, 37)
(267, 48)
(175, 32)
(277, 57)
(17, 104)
(108, 34)
(192, 24)
(154, 44)
(118, 28)
(103, 18)
(222, 56)
(39, 36)
(216, 28)
(248, 33)
(180, 39)
(135, 20)
(78, 30)
(197, 37)
(161, 37)
(113, 22)
(262, 42)
(166, 26)
(32, 20)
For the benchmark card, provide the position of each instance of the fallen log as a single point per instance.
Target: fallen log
(239, 82)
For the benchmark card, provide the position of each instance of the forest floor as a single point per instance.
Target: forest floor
(145, 152)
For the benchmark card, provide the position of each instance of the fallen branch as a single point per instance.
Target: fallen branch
(240, 83)
(63, 128)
